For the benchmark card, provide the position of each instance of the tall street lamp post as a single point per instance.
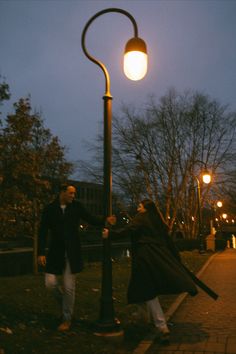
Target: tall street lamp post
(135, 68)
(206, 178)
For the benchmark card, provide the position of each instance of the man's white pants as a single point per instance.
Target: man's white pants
(64, 294)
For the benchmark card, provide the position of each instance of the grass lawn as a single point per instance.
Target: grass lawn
(29, 316)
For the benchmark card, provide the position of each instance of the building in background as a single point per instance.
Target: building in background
(90, 195)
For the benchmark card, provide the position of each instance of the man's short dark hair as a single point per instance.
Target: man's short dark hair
(63, 187)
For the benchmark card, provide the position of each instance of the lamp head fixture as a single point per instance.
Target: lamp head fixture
(135, 59)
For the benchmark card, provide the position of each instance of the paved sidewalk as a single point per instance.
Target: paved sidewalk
(200, 324)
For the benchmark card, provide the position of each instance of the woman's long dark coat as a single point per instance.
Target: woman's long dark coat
(59, 235)
(156, 267)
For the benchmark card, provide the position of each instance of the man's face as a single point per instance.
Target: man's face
(68, 195)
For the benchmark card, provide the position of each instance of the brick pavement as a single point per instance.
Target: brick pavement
(201, 325)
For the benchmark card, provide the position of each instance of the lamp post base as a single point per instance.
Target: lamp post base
(202, 246)
(202, 249)
(109, 330)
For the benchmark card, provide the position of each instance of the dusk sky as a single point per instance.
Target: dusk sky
(191, 45)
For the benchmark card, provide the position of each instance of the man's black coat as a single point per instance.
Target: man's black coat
(59, 235)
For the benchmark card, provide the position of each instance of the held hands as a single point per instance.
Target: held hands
(105, 233)
(42, 260)
(110, 220)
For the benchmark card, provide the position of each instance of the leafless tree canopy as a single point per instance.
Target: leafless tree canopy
(160, 150)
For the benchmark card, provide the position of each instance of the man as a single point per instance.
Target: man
(61, 220)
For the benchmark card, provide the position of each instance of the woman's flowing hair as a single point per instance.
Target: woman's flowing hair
(153, 214)
(162, 228)
(150, 206)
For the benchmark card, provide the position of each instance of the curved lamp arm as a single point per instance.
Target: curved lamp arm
(96, 61)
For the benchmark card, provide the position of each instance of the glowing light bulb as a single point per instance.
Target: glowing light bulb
(206, 178)
(135, 59)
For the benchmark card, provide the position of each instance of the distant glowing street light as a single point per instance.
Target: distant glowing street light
(214, 222)
(135, 68)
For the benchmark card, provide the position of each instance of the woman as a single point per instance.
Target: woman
(156, 264)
